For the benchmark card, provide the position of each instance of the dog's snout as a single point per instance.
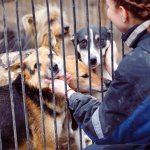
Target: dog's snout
(66, 28)
(107, 82)
(93, 61)
(55, 68)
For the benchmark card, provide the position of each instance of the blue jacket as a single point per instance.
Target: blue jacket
(124, 114)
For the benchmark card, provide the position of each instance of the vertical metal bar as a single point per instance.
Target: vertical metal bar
(50, 46)
(0, 140)
(81, 5)
(64, 64)
(9, 77)
(122, 48)
(75, 37)
(89, 63)
(112, 59)
(101, 66)
(22, 76)
(39, 79)
(76, 57)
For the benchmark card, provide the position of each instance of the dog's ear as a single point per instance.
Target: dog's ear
(27, 21)
(73, 39)
(16, 67)
(46, 40)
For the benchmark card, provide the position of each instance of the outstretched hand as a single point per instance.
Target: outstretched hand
(59, 84)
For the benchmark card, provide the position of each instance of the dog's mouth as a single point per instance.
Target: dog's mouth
(104, 89)
(66, 32)
(94, 89)
(55, 76)
(66, 29)
(66, 35)
(93, 66)
(56, 73)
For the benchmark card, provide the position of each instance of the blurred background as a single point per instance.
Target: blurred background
(81, 19)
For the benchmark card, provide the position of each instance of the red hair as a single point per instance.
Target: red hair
(138, 8)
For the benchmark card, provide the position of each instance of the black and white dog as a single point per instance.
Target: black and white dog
(95, 45)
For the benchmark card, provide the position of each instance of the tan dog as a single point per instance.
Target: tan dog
(27, 29)
(83, 76)
(42, 23)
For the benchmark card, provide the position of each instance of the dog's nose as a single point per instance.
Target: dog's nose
(93, 61)
(66, 28)
(107, 82)
(55, 68)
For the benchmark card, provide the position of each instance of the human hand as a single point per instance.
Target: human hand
(59, 84)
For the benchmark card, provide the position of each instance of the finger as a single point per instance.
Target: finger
(47, 81)
(70, 79)
(68, 75)
(61, 78)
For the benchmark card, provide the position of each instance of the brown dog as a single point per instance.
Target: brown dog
(33, 100)
(83, 77)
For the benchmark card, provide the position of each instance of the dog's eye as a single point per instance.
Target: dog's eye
(100, 43)
(83, 44)
(52, 20)
(85, 76)
(36, 65)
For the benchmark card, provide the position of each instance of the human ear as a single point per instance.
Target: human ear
(123, 14)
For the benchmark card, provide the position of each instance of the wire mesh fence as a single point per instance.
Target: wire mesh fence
(29, 31)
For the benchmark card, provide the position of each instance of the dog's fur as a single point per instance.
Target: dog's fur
(84, 87)
(33, 101)
(27, 29)
(81, 39)
(83, 76)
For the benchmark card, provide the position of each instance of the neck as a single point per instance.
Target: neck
(132, 22)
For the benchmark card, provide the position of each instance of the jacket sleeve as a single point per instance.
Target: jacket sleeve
(97, 119)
